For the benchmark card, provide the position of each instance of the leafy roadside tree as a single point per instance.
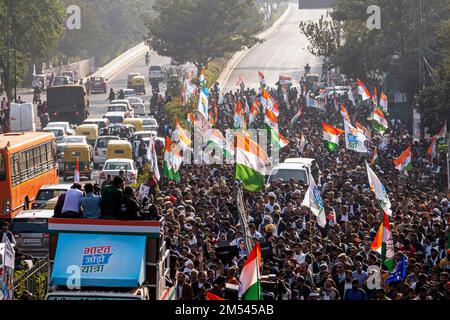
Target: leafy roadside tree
(38, 27)
(392, 51)
(199, 31)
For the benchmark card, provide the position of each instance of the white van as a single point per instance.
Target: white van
(22, 117)
(287, 171)
(310, 164)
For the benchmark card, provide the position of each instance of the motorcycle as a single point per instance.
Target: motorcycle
(36, 97)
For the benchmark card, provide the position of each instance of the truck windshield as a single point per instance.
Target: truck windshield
(287, 174)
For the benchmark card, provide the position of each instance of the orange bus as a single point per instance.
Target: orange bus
(27, 162)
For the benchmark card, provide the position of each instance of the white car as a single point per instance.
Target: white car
(150, 124)
(128, 93)
(71, 139)
(113, 167)
(115, 116)
(121, 103)
(155, 73)
(138, 106)
(144, 134)
(66, 125)
(100, 145)
(59, 132)
(339, 90)
(48, 192)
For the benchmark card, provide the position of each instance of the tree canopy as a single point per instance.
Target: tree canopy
(36, 35)
(198, 31)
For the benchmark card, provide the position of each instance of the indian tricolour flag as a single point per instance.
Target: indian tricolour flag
(431, 152)
(344, 113)
(250, 279)
(215, 138)
(331, 136)
(379, 122)
(363, 91)
(384, 102)
(403, 162)
(442, 135)
(374, 161)
(251, 163)
(183, 136)
(384, 244)
(278, 141)
(172, 161)
(380, 192)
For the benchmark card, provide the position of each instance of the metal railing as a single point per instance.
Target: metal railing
(27, 276)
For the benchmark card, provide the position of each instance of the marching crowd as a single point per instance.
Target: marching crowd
(302, 261)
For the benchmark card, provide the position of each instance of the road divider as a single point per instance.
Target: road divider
(113, 68)
(238, 56)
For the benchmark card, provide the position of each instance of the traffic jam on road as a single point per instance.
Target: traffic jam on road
(262, 165)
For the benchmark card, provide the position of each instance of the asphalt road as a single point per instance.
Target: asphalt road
(283, 53)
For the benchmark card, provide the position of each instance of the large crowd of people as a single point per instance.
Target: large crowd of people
(302, 261)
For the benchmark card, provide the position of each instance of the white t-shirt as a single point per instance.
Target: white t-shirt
(72, 200)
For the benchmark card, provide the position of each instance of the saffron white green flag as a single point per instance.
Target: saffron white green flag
(313, 201)
(354, 138)
(384, 244)
(250, 278)
(251, 163)
(379, 122)
(380, 192)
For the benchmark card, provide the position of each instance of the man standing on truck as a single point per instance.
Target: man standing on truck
(112, 196)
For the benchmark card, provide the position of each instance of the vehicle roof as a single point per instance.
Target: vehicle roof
(75, 146)
(107, 137)
(300, 160)
(77, 136)
(294, 166)
(121, 124)
(58, 122)
(118, 142)
(53, 128)
(26, 214)
(16, 139)
(96, 119)
(88, 125)
(120, 160)
(133, 97)
(133, 120)
(145, 132)
(59, 186)
(138, 77)
(115, 113)
(118, 101)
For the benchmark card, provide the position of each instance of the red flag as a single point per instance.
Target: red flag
(212, 296)
(76, 174)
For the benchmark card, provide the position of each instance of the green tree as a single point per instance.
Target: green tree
(199, 31)
(38, 26)
(392, 51)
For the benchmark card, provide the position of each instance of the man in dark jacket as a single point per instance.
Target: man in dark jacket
(112, 197)
(130, 205)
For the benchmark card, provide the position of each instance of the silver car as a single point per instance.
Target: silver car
(30, 230)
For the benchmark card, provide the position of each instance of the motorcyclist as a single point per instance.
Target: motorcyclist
(37, 95)
(112, 95)
(147, 58)
(44, 120)
(307, 69)
(121, 95)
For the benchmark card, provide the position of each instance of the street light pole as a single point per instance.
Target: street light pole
(420, 29)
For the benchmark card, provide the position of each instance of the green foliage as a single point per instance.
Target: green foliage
(40, 284)
(372, 55)
(199, 31)
(320, 36)
(433, 102)
(38, 27)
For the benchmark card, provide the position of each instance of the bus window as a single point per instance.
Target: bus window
(2, 167)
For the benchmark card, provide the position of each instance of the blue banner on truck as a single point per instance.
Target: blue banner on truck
(99, 260)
